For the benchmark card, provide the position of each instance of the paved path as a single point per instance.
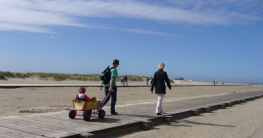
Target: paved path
(136, 116)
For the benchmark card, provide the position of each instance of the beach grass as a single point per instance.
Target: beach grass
(61, 77)
(2, 76)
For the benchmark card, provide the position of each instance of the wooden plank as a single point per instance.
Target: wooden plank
(47, 123)
(91, 125)
(51, 123)
(32, 129)
(5, 136)
(11, 133)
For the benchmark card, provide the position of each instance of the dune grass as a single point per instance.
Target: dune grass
(2, 76)
(61, 77)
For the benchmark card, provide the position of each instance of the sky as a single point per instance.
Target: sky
(202, 40)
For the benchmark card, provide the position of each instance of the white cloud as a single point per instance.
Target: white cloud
(52, 37)
(148, 32)
(36, 15)
(21, 27)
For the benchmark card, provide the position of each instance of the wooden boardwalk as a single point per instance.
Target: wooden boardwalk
(136, 116)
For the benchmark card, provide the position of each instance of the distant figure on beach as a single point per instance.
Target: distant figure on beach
(147, 80)
(126, 80)
(215, 82)
(122, 80)
(151, 80)
(158, 82)
(112, 87)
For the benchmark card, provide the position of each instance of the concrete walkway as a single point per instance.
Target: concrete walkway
(136, 116)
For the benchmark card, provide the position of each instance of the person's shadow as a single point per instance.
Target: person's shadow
(187, 123)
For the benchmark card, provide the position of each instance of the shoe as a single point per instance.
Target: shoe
(158, 114)
(115, 113)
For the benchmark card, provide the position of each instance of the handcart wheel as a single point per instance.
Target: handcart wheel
(86, 115)
(72, 114)
(101, 114)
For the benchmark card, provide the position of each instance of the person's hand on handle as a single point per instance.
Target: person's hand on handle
(110, 89)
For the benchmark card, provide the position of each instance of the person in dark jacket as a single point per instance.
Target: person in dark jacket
(158, 82)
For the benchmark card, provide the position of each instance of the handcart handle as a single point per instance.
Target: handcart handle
(102, 104)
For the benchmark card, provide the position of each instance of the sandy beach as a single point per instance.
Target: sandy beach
(33, 100)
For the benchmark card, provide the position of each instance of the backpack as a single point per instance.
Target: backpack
(105, 76)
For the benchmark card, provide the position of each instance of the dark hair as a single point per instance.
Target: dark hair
(116, 61)
(82, 89)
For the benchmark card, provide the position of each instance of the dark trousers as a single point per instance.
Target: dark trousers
(113, 96)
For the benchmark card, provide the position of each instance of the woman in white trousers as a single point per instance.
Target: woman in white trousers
(158, 82)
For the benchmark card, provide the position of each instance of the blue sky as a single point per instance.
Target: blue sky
(199, 40)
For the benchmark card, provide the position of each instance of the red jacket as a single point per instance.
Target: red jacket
(84, 97)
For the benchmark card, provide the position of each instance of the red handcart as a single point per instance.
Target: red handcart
(88, 109)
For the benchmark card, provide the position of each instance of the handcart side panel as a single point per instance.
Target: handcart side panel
(79, 104)
(92, 105)
(82, 105)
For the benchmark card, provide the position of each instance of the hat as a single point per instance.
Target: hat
(161, 66)
(116, 61)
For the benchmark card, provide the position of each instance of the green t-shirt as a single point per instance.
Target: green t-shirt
(113, 72)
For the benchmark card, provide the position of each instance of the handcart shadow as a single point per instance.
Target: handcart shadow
(105, 120)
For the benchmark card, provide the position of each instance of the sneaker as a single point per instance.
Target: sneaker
(158, 114)
(115, 113)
